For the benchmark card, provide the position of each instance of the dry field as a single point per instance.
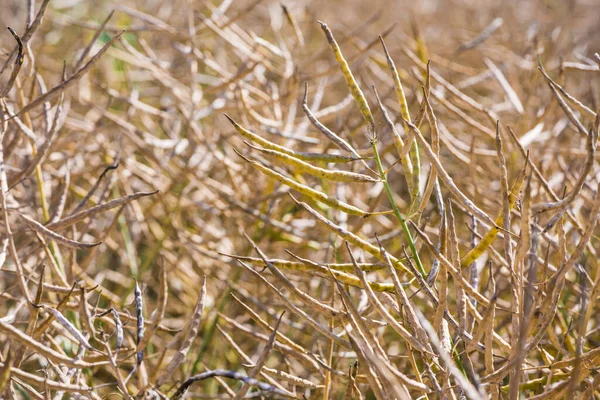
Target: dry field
(310, 200)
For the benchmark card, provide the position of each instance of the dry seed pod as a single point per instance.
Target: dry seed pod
(55, 236)
(18, 63)
(341, 143)
(5, 371)
(382, 310)
(139, 312)
(86, 317)
(68, 326)
(92, 211)
(307, 265)
(192, 332)
(262, 359)
(290, 18)
(44, 350)
(57, 90)
(401, 147)
(227, 374)
(119, 328)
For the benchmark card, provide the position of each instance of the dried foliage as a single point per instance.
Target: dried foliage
(257, 200)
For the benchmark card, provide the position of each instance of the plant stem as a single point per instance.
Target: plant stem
(396, 210)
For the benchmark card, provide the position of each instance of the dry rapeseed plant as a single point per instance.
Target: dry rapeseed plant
(183, 217)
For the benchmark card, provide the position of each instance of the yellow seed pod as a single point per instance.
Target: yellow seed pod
(326, 158)
(308, 191)
(358, 95)
(351, 237)
(397, 84)
(415, 171)
(489, 237)
(330, 175)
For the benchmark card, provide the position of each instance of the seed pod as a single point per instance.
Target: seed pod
(338, 141)
(358, 95)
(312, 193)
(68, 326)
(328, 158)
(139, 305)
(328, 174)
(119, 328)
(5, 372)
(486, 241)
(36, 226)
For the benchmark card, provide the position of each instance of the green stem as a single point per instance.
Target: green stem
(396, 210)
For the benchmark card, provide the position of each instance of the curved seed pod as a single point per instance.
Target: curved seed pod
(328, 174)
(49, 95)
(592, 142)
(118, 326)
(90, 212)
(358, 95)
(44, 350)
(338, 141)
(36, 226)
(67, 325)
(45, 324)
(18, 63)
(397, 83)
(482, 37)
(32, 27)
(312, 193)
(328, 158)
(297, 32)
(512, 96)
